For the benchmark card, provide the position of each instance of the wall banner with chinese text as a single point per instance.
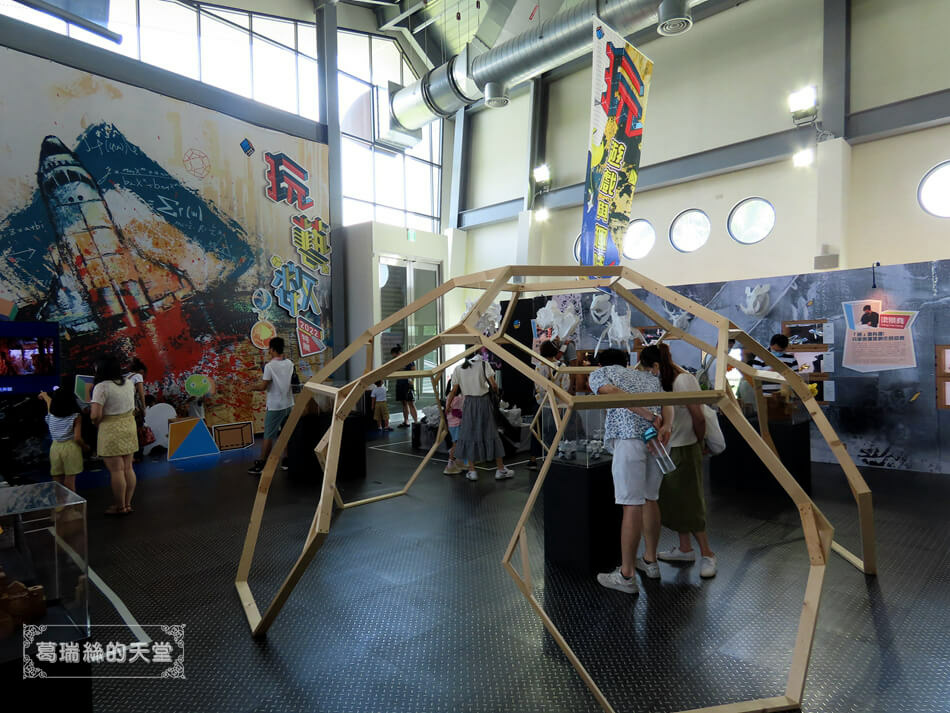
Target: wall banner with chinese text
(621, 83)
(876, 339)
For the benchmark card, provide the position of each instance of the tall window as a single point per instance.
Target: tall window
(402, 189)
(270, 60)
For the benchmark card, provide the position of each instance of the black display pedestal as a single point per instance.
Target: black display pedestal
(48, 693)
(302, 460)
(581, 520)
(738, 467)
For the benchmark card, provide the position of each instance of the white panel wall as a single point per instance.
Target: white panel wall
(898, 50)
(568, 124)
(789, 248)
(491, 246)
(728, 79)
(887, 223)
(498, 153)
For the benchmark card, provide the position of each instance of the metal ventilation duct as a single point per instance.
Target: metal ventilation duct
(461, 81)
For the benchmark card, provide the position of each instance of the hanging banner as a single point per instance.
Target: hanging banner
(621, 82)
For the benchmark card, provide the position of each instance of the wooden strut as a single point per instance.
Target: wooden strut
(817, 530)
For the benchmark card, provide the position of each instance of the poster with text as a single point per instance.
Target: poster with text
(876, 339)
(621, 84)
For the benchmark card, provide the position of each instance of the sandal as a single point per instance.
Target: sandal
(114, 510)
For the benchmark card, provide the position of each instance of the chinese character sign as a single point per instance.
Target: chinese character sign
(287, 181)
(621, 83)
(876, 339)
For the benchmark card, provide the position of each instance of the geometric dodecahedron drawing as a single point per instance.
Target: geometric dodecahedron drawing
(818, 532)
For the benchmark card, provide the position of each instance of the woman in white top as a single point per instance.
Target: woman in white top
(136, 375)
(682, 503)
(112, 410)
(478, 435)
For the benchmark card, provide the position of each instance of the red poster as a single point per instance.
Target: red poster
(309, 338)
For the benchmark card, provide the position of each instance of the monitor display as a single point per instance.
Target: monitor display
(29, 357)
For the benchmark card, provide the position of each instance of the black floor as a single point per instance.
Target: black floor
(407, 607)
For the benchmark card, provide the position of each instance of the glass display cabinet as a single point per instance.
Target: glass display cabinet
(43, 565)
(583, 441)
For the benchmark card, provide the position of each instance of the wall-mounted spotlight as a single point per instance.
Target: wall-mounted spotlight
(873, 275)
(803, 158)
(542, 214)
(542, 175)
(804, 105)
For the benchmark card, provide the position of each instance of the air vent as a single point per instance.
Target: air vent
(496, 95)
(673, 18)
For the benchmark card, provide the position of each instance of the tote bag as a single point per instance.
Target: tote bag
(715, 441)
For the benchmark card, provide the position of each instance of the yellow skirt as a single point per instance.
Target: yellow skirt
(117, 435)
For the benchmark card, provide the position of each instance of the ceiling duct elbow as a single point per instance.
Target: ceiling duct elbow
(465, 78)
(673, 18)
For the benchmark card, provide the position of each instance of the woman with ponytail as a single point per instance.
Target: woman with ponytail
(682, 504)
(478, 435)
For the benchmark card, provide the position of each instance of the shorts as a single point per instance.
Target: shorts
(274, 421)
(404, 390)
(381, 411)
(454, 432)
(637, 477)
(65, 458)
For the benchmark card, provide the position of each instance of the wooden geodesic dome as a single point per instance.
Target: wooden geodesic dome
(818, 532)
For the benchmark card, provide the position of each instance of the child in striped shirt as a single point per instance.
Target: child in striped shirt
(65, 428)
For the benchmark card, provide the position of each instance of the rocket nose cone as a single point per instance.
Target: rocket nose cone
(51, 146)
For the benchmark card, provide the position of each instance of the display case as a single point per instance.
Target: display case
(583, 441)
(43, 565)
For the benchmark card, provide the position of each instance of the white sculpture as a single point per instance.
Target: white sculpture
(488, 323)
(757, 301)
(561, 323)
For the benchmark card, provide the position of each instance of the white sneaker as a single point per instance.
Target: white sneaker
(677, 555)
(504, 474)
(650, 569)
(472, 475)
(452, 468)
(615, 580)
(707, 568)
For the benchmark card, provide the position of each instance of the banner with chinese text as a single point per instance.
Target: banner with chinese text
(621, 83)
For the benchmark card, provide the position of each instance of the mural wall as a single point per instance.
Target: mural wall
(886, 413)
(157, 229)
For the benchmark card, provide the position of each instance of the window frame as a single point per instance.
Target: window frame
(742, 203)
(673, 225)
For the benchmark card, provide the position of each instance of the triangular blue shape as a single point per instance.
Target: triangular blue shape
(197, 443)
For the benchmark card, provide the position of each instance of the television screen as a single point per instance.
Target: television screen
(29, 357)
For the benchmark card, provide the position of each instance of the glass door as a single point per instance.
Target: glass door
(401, 282)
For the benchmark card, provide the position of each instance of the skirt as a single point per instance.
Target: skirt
(682, 503)
(478, 435)
(118, 435)
(404, 390)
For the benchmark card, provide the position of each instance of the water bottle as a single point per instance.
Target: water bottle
(656, 448)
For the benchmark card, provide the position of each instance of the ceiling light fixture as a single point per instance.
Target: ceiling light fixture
(803, 158)
(542, 174)
(804, 105)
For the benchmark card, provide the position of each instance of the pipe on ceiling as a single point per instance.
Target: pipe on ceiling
(462, 80)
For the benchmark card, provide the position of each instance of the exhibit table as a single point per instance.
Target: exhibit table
(738, 467)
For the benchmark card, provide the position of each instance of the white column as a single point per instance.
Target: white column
(833, 178)
(528, 245)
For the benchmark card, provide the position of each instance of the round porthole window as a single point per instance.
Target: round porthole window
(690, 230)
(577, 249)
(934, 190)
(639, 240)
(751, 220)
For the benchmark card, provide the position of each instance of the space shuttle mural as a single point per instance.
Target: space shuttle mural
(117, 284)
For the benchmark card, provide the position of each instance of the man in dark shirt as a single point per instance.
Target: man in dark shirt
(870, 317)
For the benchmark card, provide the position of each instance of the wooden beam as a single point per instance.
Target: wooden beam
(759, 705)
(536, 489)
(762, 411)
(524, 369)
(485, 301)
(673, 297)
(525, 561)
(592, 271)
(660, 398)
(801, 654)
(260, 500)
(248, 603)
